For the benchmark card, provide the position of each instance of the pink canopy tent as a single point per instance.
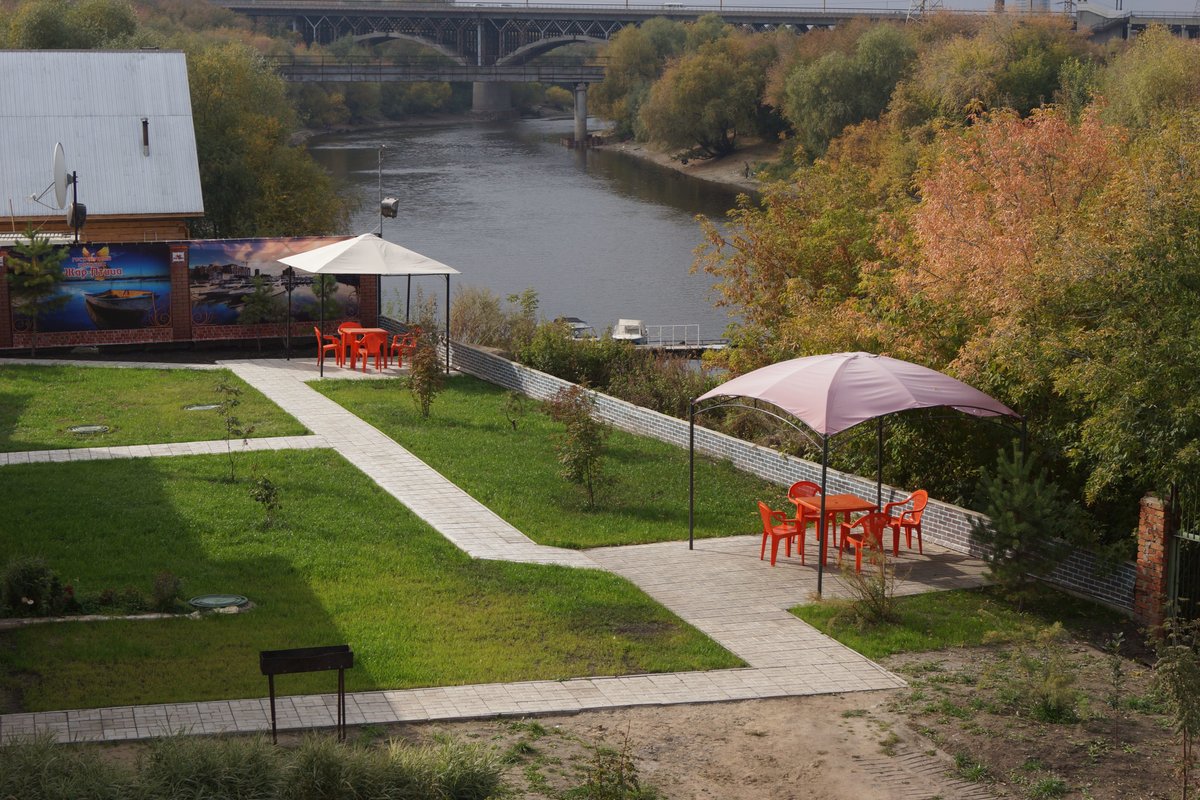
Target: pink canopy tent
(832, 393)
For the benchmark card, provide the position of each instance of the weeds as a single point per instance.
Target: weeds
(612, 775)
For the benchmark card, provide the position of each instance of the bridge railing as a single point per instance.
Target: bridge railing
(434, 68)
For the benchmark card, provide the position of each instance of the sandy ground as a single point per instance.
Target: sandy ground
(730, 170)
(829, 747)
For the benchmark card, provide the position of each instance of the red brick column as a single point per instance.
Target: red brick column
(6, 338)
(181, 294)
(368, 300)
(1153, 548)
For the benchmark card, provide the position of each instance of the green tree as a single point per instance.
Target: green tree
(34, 274)
(1029, 520)
(840, 89)
(83, 25)
(1159, 75)
(425, 378)
(636, 58)
(706, 99)
(254, 183)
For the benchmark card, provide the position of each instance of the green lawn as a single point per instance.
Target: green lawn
(516, 473)
(346, 563)
(962, 618)
(141, 406)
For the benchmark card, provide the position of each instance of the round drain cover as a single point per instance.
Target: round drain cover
(88, 429)
(202, 407)
(217, 601)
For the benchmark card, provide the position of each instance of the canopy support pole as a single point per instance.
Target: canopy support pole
(822, 529)
(879, 468)
(321, 343)
(691, 473)
(407, 299)
(447, 324)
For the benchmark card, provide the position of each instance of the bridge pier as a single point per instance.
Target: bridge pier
(491, 99)
(581, 134)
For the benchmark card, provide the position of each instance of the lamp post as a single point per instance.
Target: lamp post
(289, 283)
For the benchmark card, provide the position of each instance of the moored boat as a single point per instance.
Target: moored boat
(119, 308)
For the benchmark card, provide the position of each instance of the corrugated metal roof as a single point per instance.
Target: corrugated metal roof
(93, 102)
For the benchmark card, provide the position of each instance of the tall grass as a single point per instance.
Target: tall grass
(250, 768)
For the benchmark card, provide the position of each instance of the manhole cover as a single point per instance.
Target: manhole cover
(217, 601)
(88, 429)
(202, 407)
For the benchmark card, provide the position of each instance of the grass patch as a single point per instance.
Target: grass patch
(345, 562)
(961, 618)
(468, 439)
(140, 406)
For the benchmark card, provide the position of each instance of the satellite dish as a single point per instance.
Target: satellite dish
(61, 179)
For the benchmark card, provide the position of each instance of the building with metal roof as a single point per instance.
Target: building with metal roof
(124, 119)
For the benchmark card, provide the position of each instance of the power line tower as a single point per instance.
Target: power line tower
(919, 8)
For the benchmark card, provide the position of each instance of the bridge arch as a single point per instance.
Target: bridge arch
(530, 51)
(379, 37)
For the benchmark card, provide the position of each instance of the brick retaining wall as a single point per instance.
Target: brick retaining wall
(944, 524)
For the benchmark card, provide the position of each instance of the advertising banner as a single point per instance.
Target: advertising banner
(241, 282)
(106, 287)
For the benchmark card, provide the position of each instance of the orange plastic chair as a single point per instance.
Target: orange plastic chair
(349, 345)
(909, 520)
(777, 527)
(373, 344)
(403, 345)
(333, 346)
(805, 489)
(870, 534)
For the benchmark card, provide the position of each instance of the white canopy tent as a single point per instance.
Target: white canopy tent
(368, 254)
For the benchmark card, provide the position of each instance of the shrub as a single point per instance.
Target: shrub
(31, 588)
(132, 600)
(659, 382)
(167, 591)
(266, 494)
(39, 768)
(581, 446)
(588, 361)
(477, 317)
(612, 775)
(425, 377)
(199, 768)
(873, 590)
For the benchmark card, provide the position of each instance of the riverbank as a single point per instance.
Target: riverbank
(737, 170)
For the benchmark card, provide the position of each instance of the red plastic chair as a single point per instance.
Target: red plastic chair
(373, 344)
(777, 527)
(805, 489)
(349, 344)
(870, 534)
(333, 346)
(403, 345)
(909, 520)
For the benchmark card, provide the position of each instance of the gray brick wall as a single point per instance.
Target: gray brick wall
(944, 524)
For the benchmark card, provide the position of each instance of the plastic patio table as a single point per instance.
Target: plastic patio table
(834, 504)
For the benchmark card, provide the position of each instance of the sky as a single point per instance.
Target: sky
(1144, 6)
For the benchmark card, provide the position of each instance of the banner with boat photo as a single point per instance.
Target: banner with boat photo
(107, 287)
(241, 282)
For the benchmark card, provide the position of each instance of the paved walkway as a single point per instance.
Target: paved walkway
(720, 587)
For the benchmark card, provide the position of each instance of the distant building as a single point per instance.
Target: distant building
(124, 119)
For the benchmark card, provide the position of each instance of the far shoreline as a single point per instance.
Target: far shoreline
(734, 170)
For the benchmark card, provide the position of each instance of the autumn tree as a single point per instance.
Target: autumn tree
(636, 58)
(1157, 77)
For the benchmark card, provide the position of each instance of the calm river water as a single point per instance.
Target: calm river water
(598, 235)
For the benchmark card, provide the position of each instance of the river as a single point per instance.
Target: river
(599, 235)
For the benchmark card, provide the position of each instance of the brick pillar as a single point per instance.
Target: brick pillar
(6, 337)
(1153, 547)
(368, 300)
(181, 294)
